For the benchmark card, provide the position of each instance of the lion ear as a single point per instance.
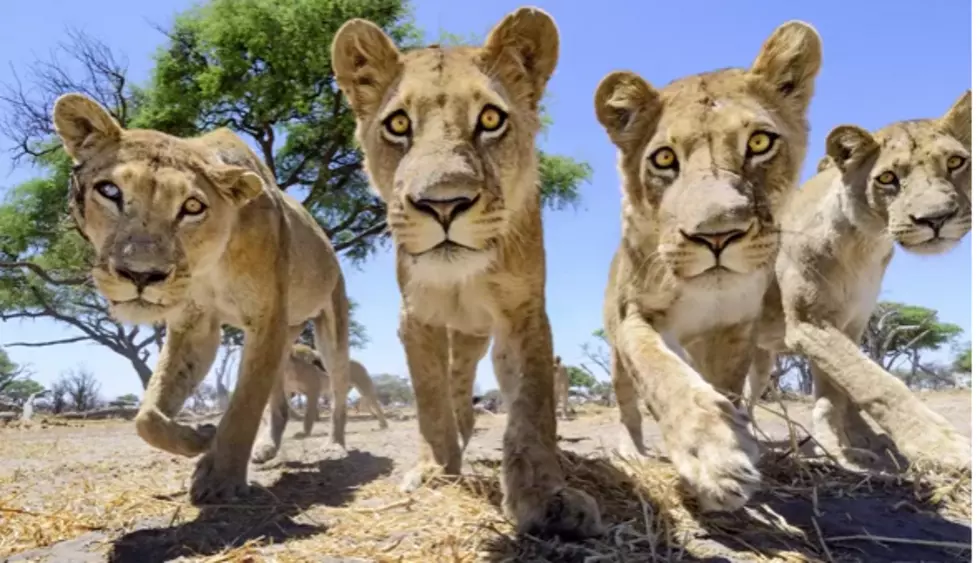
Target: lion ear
(790, 60)
(958, 121)
(237, 183)
(366, 62)
(83, 123)
(849, 146)
(523, 49)
(623, 101)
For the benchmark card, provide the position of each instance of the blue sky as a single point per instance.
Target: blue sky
(910, 60)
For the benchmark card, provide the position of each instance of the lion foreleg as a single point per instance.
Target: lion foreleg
(465, 352)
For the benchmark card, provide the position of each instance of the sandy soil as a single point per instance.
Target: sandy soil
(96, 492)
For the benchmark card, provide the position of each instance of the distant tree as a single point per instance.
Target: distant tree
(19, 390)
(964, 360)
(597, 351)
(128, 399)
(897, 335)
(392, 389)
(79, 388)
(9, 371)
(580, 379)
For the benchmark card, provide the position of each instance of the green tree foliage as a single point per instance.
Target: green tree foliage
(964, 360)
(259, 67)
(19, 390)
(580, 379)
(392, 389)
(897, 334)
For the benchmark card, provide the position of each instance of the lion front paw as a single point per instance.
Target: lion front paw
(264, 452)
(214, 484)
(939, 448)
(566, 513)
(715, 454)
(421, 474)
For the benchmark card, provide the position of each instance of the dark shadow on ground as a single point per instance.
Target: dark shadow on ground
(267, 513)
(832, 510)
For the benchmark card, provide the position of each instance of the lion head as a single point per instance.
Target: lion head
(448, 135)
(912, 175)
(157, 209)
(707, 160)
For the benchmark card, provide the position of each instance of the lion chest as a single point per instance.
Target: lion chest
(465, 307)
(698, 308)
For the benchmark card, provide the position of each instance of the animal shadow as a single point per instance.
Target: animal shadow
(268, 513)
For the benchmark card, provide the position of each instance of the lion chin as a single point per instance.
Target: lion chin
(931, 247)
(139, 311)
(449, 264)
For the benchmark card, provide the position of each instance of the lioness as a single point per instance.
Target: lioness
(195, 233)
(561, 387)
(305, 374)
(448, 139)
(705, 163)
(909, 183)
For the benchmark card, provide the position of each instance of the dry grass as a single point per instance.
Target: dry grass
(809, 510)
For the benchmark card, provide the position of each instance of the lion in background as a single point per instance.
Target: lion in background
(196, 233)
(448, 135)
(306, 375)
(907, 183)
(706, 162)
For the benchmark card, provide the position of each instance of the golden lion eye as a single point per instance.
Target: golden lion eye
(398, 124)
(955, 162)
(491, 119)
(192, 206)
(886, 179)
(664, 159)
(760, 143)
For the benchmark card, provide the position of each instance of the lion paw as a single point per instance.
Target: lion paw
(264, 452)
(211, 484)
(567, 513)
(715, 454)
(335, 451)
(420, 475)
(939, 448)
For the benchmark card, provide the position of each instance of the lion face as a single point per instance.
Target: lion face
(915, 175)
(707, 160)
(448, 135)
(157, 211)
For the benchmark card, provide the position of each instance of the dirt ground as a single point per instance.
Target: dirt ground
(94, 491)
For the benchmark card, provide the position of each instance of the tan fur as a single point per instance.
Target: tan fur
(305, 374)
(448, 180)
(840, 230)
(254, 258)
(561, 387)
(681, 333)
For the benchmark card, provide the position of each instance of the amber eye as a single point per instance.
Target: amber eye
(760, 143)
(491, 119)
(955, 162)
(398, 124)
(192, 206)
(109, 191)
(887, 179)
(664, 159)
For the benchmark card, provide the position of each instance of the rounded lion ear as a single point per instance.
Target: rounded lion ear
(523, 49)
(958, 121)
(365, 62)
(81, 122)
(238, 184)
(849, 145)
(622, 99)
(790, 60)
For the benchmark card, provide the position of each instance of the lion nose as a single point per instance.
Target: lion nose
(716, 241)
(142, 279)
(444, 210)
(934, 221)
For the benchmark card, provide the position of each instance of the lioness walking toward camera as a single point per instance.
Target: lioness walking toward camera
(908, 183)
(305, 374)
(195, 233)
(705, 163)
(448, 139)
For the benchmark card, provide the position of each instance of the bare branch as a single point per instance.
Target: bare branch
(40, 272)
(48, 343)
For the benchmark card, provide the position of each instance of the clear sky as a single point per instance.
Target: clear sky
(910, 60)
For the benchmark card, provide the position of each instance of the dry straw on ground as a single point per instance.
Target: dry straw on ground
(809, 510)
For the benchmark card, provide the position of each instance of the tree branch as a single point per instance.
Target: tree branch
(48, 343)
(40, 272)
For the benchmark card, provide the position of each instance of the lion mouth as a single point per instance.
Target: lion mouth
(138, 302)
(447, 248)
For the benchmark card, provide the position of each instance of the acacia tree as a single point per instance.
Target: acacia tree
(259, 67)
(897, 334)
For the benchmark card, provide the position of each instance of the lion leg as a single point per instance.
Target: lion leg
(190, 348)
(832, 414)
(427, 352)
(631, 445)
(706, 435)
(369, 395)
(312, 413)
(920, 434)
(276, 413)
(333, 340)
(465, 352)
(221, 473)
(536, 494)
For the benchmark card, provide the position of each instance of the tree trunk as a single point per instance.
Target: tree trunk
(142, 370)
